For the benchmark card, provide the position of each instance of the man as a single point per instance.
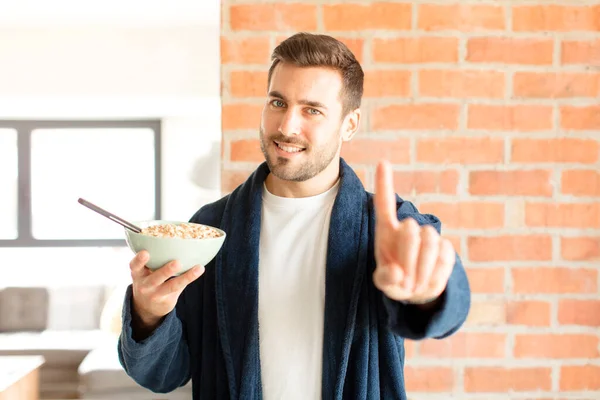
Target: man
(318, 282)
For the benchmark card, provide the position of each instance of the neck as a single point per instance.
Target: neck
(318, 184)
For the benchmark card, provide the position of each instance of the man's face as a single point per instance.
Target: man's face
(301, 125)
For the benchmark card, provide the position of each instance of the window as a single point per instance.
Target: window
(48, 165)
(8, 181)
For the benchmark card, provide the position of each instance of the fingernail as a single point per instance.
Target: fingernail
(198, 269)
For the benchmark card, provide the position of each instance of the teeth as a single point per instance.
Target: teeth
(289, 149)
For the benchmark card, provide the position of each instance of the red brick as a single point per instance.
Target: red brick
(503, 380)
(585, 52)
(361, 173)
(579, 312)
(273, 17)
(551, 17)
(467, 214)
(240, 116)
(580, 248)
(230, 179)
(428, 379)
(528, 313)
(554, 280)
(486, 312)
(580, 117)
(248, 83)
(560, 150)
(510, 183)
(412, 50)
(556, 85)
(371, 151)
(461, 84)
(509, 118)
(581, 182)
(461, 17)
(420, 182)
(355, 45)
(358, 17)
(506, 50)
(380, 83)
(486, 280)
(510, 248)
(579, 377)
(415, 116)
(563, 215)
(247, 50)
(556, 346)
(465, 345)
(463, 150)
(409, 348)
(246, 150)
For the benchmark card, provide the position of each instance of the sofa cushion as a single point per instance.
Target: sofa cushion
(75, 308)
(53, 308)
(23, 309)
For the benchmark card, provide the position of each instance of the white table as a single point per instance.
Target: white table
(19, 377)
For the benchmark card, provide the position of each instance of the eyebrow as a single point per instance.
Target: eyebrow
(310, 103)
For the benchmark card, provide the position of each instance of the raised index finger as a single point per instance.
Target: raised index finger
(385, 199)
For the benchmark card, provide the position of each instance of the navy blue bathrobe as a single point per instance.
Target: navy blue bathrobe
(212, 335)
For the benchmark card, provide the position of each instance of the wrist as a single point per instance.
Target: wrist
(419, 302)
(425, 304)
(143, 324)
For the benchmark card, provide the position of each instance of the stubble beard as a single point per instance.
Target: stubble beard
(315, 160)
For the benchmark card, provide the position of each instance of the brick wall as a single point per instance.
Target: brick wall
(490, 112)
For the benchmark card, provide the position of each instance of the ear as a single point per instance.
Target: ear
(350, 125)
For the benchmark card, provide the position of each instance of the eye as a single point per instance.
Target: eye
(314, 111)
(277, 103)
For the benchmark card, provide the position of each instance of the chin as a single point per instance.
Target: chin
(285, 169)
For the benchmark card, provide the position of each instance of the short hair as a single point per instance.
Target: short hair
(316, 50)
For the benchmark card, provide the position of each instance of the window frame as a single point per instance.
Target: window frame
(24, 129)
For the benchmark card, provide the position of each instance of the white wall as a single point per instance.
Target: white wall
(36, 13)
(107, 72)
(126, 59)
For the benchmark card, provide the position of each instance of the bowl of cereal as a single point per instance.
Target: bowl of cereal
(189, 243)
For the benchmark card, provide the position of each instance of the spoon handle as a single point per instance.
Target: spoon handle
(110, 216)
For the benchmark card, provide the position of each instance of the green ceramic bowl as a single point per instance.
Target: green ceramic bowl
(189, 252)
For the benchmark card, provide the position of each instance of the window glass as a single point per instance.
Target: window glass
(113, 168)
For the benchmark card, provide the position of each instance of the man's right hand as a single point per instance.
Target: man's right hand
(154, 294)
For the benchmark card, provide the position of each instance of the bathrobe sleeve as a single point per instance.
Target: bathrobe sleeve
(161, 361)
(411, 321)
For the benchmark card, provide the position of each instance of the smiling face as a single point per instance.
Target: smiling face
(302, 126)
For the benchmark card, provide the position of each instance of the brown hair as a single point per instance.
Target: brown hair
(315, 50)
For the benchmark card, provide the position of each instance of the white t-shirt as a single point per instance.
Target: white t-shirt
(291, 295)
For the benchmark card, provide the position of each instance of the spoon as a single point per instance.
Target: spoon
(110, 216)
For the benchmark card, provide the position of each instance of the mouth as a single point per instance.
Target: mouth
(288, 149)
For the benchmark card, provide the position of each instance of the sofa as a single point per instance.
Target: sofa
(76, 330)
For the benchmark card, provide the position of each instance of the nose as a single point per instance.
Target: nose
(290, 123)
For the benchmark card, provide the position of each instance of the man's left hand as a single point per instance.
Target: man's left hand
(414, 262)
